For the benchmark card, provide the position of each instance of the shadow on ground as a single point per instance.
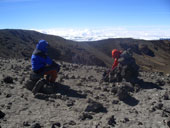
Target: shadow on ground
(131, 101)
(148, 85)
(58, 91)
(66, 90)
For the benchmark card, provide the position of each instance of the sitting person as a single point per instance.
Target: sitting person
(115, 54)
(124, 67)
(42, 65)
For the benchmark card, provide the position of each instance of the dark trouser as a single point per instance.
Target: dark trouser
(50, 71)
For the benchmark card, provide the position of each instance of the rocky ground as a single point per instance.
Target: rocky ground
(82, 100)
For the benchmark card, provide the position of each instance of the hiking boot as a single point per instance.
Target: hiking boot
(30, 84)
(38, 86)
(32, 81)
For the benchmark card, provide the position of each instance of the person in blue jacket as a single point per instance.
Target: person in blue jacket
(42, 64)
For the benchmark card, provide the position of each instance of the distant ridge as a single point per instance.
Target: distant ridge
(151, 55)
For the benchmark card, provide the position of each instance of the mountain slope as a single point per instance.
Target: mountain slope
(21, 43)
(149, 55)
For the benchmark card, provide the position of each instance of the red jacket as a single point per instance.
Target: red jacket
(115, 54)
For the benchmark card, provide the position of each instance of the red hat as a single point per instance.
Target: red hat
(116, 53)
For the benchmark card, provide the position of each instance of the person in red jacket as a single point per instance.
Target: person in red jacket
(115, 54)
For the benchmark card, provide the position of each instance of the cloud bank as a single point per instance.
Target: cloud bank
(143, 32)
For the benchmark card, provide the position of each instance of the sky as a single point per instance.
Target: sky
(89, 19)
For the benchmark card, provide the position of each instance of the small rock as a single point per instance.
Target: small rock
(159, 106)
(36, 125)
(66, 77)
(70, 103)
(58, 96)
(56, 125)
(79, 84)
(160, 82)
(85, 116)
(72, 77)
(94, 106)
(41, 96)
(164, 114)
(168, 123)
(166, 96)
(105, 89)
(168, 75)
(111, 120)
(140, 123)
(2, 114)
(8, 95)
(125, 120)
(152, 109)
(26, 124)
(64, 98)
(8, 79)
(72, 122)
(167, 110)
(115, 101)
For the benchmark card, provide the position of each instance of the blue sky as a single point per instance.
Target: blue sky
(88, 17)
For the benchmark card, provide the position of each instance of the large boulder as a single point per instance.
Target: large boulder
(127, 69)
(94, 106)
(121, 90)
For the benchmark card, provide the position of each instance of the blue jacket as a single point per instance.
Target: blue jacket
(39, 59)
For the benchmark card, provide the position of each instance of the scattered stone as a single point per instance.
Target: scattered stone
(65, 76)
(159, 106)
(164, 114)
(168, 123)
(166, 96)
(79, 84)
(72, 122)
(85, 116)
(105, 89)
(70, 103)
(115, 101)
(8, 79)
(41, 96)
(160, 82)
(11, 86)
(2, 114)
(64, 97)
(36, 125)
(125, 120)
(140, 123)
(168, 75)
(58, 96)
(56, 125)
(121, 90)
(94, 106)
(111, 120)
(26, 124)
(72, 77)
(8, 95)
(152, 109)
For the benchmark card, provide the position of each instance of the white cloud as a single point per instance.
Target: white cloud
(139, 32)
